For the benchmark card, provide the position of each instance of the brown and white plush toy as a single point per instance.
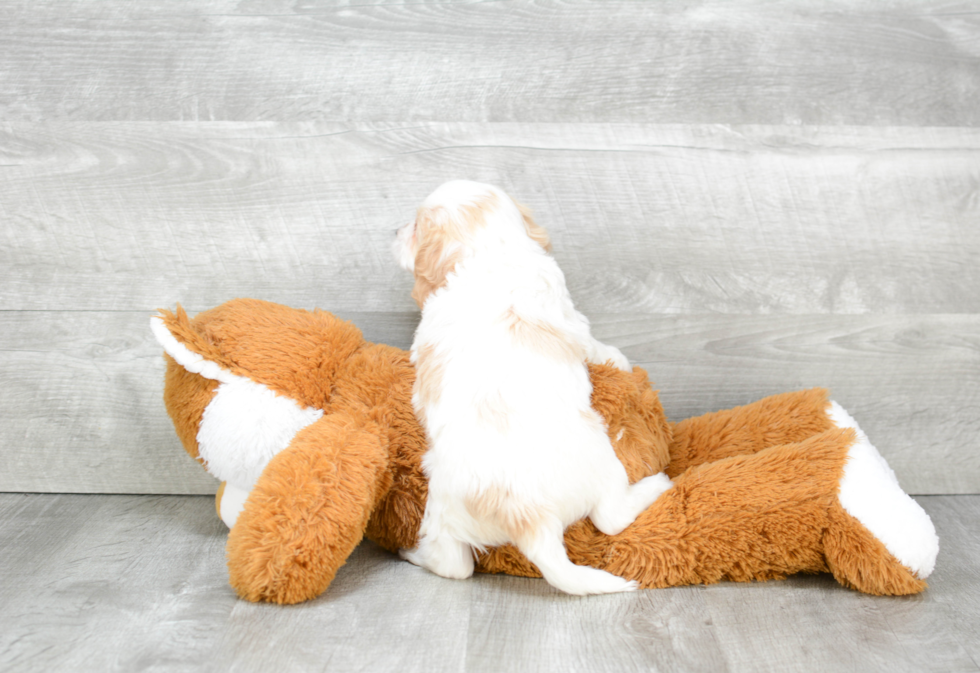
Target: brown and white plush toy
(311, 429)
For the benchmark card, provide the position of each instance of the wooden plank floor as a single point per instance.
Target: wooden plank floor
(131, 583)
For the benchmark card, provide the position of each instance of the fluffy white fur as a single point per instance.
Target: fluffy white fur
(232, 503)
(516, 453)
(869, 491)
(244, 425)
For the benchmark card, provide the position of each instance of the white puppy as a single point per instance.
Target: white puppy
(516, 452)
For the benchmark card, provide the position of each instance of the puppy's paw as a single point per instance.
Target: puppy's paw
(620, 362)
(605, 354)
(452, 560)
(650, 488)
(410, 555)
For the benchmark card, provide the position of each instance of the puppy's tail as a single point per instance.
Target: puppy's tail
(545, 548)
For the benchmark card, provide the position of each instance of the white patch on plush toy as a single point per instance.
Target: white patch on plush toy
(244, 426)
(869, 492)
(232, 503)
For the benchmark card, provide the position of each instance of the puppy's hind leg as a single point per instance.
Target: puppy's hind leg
(620, 507)
(544, 547)
(442, 554)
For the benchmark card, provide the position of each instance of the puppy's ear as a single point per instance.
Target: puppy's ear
(437, 253)
(533, 229)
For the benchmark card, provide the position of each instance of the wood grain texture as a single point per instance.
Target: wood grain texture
(652, 219)
(956, 522)
(116, 583)
(905, 62)
(125, 583)
(82, 391)
(813, 625)
(522, 625)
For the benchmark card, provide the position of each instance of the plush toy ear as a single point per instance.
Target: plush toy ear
(308, 511)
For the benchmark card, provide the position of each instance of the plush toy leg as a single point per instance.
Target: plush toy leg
(870, 493)
(754, 517)
(308, 511)
(861, 561)
(869, 490)
(772, 421)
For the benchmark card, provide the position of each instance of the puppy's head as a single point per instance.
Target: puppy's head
(457, 220)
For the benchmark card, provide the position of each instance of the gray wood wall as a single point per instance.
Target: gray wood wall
(747, 197)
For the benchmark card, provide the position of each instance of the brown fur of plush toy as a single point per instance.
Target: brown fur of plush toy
(755, 494)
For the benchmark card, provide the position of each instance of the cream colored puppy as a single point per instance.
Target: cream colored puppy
(516, 452)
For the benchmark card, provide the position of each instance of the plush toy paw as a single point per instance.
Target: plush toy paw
(869, 491)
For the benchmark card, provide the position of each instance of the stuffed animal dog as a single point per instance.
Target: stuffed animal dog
(317, 426)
